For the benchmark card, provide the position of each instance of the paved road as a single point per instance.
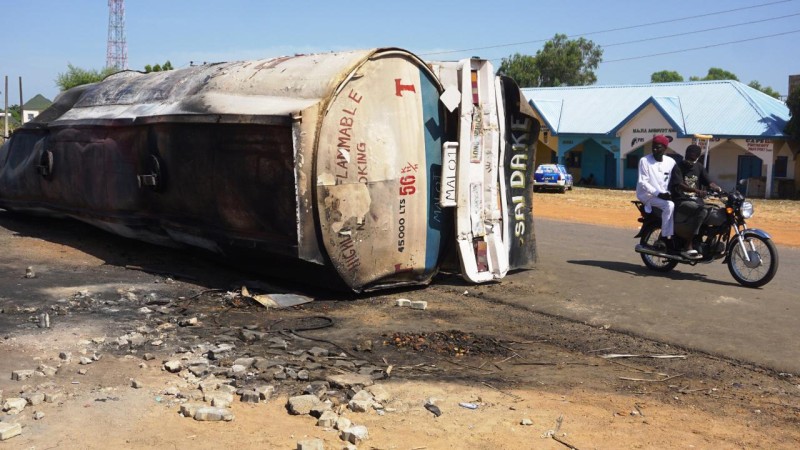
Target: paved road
(600, 280)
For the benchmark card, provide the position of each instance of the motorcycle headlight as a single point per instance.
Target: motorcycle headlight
(747, 210)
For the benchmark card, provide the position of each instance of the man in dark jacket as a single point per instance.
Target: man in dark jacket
(687, 184)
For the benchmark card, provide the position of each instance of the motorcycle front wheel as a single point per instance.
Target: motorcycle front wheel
(762, 265)
(651, 238)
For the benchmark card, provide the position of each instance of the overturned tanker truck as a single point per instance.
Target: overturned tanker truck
(363, 169)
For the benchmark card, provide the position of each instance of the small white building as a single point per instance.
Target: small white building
(34, 107)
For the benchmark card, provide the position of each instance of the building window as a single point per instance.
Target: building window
(573, 159)
(30, 116)
(632, 161)
(779, 170)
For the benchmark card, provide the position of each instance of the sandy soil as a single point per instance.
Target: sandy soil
(514, 365)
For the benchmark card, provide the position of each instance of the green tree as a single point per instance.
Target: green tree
(715, 73)
(666, 76)
(568, 62)
(76, 76)
(158, 67)
(793, 126)
(522, 68)
(765, 89)
(16, 112)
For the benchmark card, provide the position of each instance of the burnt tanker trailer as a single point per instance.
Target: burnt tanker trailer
(372, 168)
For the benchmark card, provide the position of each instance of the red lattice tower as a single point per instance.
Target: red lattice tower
(116, 47)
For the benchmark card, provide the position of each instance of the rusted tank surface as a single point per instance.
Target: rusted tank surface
(331, 160)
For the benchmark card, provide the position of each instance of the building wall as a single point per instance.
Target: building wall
(29, 114)
(594, 161)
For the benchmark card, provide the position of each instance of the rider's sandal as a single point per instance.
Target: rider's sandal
(691, 254)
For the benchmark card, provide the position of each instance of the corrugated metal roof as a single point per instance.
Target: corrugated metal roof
(722, 108)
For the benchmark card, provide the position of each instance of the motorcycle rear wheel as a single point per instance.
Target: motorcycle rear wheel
(651, 238)
(763, 264)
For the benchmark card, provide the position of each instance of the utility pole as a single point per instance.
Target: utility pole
(5, 128)
(21, 110)
(116, 46)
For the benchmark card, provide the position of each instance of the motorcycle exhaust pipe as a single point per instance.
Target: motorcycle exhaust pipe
(651, 251)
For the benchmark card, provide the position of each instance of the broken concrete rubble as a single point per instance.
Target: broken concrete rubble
(213, 414)
(14, 405)
(20, 375)
(9, 430)
(311, 444)
(227, 371)
(302, 404)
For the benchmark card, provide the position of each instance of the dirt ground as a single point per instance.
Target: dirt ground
(503, 377)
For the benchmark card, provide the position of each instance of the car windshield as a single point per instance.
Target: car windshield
(547, 168)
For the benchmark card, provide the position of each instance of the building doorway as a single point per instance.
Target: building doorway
(748, 166)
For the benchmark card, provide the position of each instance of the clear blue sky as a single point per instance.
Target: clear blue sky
(42, 36)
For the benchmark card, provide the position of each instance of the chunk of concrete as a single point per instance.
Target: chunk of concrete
(173, 366)
(355, 434)
(419, 304)
(346, 380)
(342, 423)
(311, 444)
(265, 392)
(20, 375)
(189, 409)
(9, 430)
(36, 399)
(302, 404)
(250, 397)
(14, 405)
(213, 414)
(327, 419)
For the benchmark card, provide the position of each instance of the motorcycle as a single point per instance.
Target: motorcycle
(750, 254)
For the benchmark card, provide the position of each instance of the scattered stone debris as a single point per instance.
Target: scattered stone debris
(402, 302)
(29, 273)
(220, 368)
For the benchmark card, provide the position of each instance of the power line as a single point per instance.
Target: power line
(701, 48)
(698, 31)
(631, 27)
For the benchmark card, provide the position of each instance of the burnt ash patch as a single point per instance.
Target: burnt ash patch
(452, 343)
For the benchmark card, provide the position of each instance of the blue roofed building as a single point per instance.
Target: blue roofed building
(605, 130)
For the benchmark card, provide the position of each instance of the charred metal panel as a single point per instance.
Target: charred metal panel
(521, 134)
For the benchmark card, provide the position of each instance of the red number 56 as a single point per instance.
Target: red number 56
(407, 183)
